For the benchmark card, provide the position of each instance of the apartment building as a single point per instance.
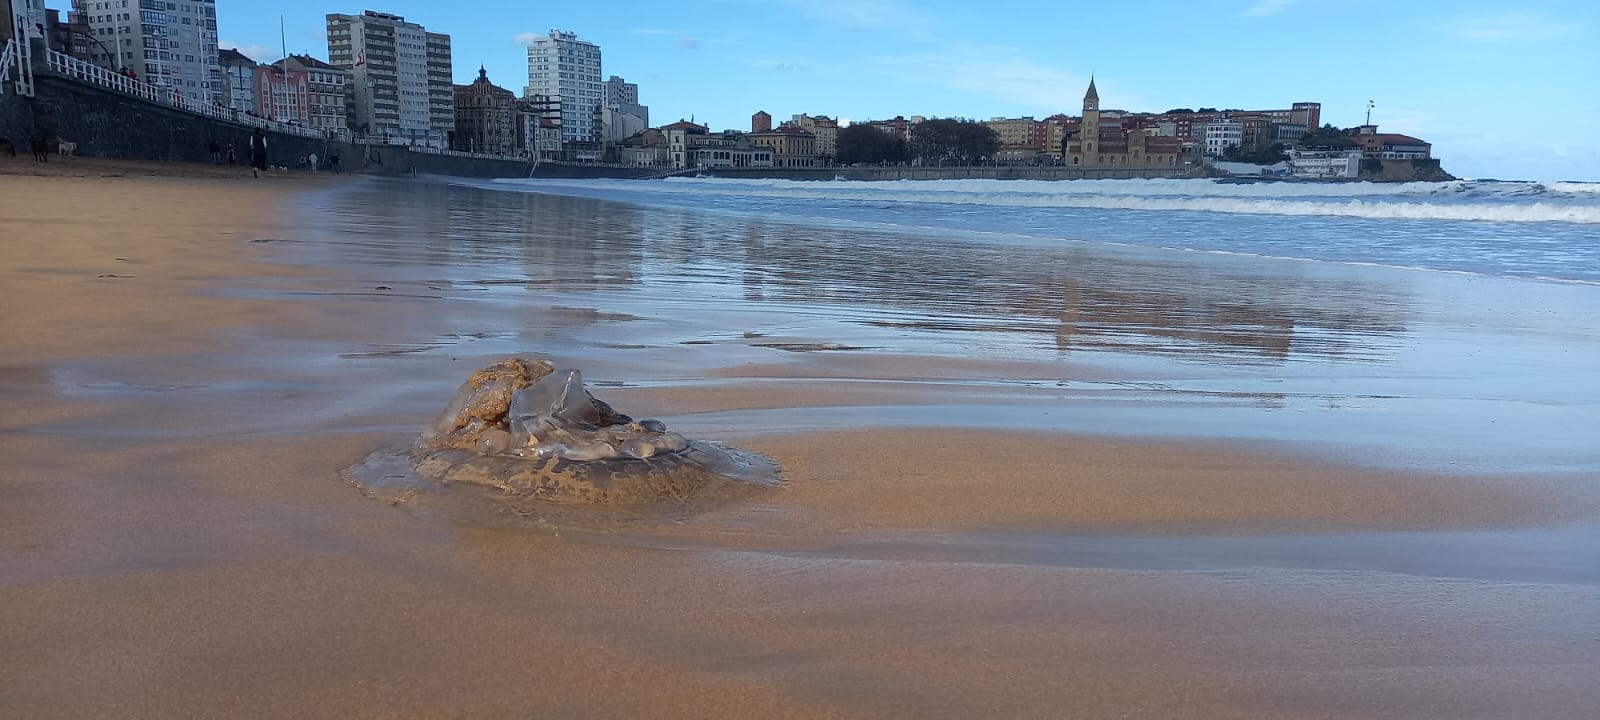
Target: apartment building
(398, 77)
(622, 115)
(826, 129)
(567, 69)
(486, 117)
(282, 94)
(1221, 135)
(238, 80)
(167, 44)
(790, 145)
(325, 84)
(1021, 140)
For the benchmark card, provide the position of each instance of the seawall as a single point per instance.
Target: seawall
(107, 123)
(993, 172)
(568, 171)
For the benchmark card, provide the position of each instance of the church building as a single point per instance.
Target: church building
(1113, 143)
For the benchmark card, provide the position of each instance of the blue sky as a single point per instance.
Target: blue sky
(1505, 90)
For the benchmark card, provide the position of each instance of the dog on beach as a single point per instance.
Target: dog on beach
(6, 148)
(66, 149)
(41, 149)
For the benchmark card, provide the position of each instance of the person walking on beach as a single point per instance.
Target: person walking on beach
(313, 158)
(258, 152)
(333, 161)
(216, 152)
(232, 158)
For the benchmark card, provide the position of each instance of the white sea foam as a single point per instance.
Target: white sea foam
(1134, 187)
(1574, 187)
(1458, 201)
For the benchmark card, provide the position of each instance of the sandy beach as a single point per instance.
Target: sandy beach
(182, 390)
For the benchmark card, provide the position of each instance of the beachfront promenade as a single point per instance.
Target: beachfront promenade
(50, 94)
(44, 93)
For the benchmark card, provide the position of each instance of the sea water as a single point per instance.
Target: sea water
(1446, 324)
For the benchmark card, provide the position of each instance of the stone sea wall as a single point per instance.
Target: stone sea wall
(995, 172)
(109, 124)
(16, 120)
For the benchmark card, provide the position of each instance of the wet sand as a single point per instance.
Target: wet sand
(175, 541)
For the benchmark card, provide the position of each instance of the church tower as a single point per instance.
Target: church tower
(1090, 129)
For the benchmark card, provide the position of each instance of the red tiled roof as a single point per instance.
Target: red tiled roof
(1398, 139)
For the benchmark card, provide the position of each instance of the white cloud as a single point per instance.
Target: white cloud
(1509, 27)
(258, 53)
(1001, 73)
(688, 43)
(1263, 8)
(525, 38)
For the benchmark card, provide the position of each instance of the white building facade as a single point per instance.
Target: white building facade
(1325, 163)
(562, 67)
(167, 44)
(238, 80)
(623, 116)
(397, 77)
(1223, 134)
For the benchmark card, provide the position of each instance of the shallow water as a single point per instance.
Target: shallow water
(1426, 369)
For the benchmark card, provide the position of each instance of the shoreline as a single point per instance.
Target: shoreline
(175, 540)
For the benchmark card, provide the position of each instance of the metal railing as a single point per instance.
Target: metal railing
(5, 62)
(14, 64)
(67, 66)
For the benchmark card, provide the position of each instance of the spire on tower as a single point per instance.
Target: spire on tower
(1092, 94)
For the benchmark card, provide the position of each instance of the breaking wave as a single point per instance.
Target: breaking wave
(1488, 201)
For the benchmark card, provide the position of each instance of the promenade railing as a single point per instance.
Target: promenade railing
(71, 67)
(6, 51)
(67, 66)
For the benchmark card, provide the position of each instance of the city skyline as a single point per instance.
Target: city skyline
(1492, 89)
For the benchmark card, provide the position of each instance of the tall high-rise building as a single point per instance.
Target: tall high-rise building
(623, 115)
(173, 47)
(560, 66)
(620, 91)
(398, 77)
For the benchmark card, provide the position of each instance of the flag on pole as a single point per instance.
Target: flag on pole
(361, 58)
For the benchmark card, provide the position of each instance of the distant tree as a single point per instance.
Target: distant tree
(952, 142)
(1329, 136)
(1179, 111)
(1273, 153)
(868, 144)
(1206, 110)
(1264, 156)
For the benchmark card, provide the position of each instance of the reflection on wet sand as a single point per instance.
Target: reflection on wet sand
(1082, 297)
